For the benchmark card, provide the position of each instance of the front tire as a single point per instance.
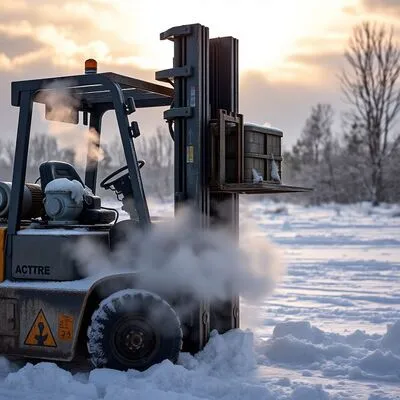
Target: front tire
(133, 329)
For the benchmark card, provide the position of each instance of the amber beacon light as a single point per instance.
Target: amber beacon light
(90, 66)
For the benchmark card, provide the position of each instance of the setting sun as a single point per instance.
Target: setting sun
(268, 31)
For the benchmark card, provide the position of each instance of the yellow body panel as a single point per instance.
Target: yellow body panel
(3, 232)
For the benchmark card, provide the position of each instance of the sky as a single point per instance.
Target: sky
(290, 51)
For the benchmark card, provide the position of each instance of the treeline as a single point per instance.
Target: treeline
(42, 148)
(339, 166)
(362, 163)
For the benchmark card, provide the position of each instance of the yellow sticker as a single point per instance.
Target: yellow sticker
(65, 327)
(40, 333)
(190, 154)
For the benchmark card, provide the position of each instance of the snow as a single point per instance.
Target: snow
(301, 344)
(330, 330)
(390, 340)
(59, 232)
(81, 285)
(274, 171)
(257, 178)
(381, 364)
(265, 126)
(47, 381)
(236, 345)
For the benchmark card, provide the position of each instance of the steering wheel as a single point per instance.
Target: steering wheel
(105, 184)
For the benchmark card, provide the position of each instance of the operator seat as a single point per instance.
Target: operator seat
(92, 212)
(51, 170)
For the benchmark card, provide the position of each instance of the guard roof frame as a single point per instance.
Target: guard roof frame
(91, 89)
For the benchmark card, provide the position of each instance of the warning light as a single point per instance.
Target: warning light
(90, 66)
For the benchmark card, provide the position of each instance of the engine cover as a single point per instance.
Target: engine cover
(64, 200)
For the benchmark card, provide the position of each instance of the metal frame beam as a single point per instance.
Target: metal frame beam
(224, 95)
(191, 115)
(90, 83)
(92, 99)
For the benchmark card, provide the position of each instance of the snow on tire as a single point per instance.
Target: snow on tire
(133, 329)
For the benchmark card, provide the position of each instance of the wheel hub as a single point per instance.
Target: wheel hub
(134, 339)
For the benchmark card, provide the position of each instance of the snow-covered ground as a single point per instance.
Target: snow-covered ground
(335, 319)
(330, 330)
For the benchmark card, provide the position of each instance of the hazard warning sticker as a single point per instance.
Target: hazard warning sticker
(40, 333)
(65, 327)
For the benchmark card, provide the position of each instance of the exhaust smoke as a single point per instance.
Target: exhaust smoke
(174, 257)
(62, 115)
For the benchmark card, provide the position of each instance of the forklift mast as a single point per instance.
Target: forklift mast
(205, 80)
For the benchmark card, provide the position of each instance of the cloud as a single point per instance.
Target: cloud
(352, 11)
(383, 11)
(384, 6)
(68, 31)
(14, 46)
(324, 65)
(285, 104)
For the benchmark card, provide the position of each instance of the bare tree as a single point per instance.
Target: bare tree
(357, 176)
(371, 85)
(317, 132)
(313, 155)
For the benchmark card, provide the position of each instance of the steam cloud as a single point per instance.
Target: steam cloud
(173, 257)
(61, 107)
(61, 104)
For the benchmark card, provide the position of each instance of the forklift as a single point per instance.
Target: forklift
(48, 309)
